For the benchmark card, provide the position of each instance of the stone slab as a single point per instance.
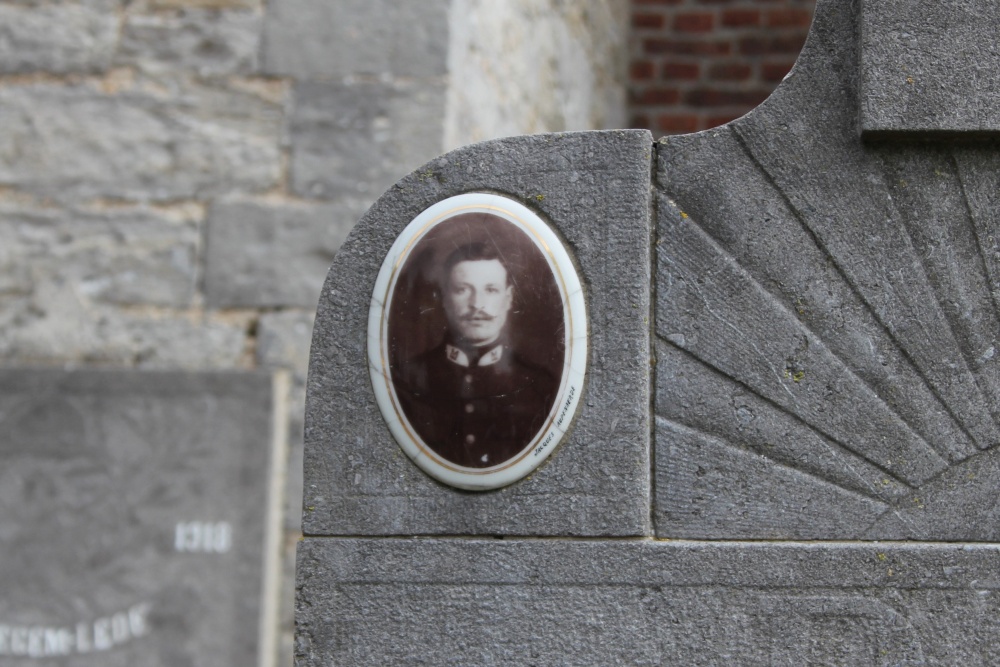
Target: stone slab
(594, 189)
(316, 39)
(134, 510)
(355, 139)
(827, 321)
(71, 143)
(122, 255)
(58, 37)
(55, 323)
(930, 69)
(514, 602)
(263, 255)
(209, 43)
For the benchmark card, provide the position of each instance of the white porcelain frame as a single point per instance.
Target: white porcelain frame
(571, 385)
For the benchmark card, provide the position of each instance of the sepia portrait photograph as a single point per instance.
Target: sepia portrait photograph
(476, 340)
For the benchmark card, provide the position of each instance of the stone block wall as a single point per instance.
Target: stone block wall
(177, 175)
(696, 64)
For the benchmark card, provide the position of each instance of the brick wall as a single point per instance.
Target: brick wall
(695, 64)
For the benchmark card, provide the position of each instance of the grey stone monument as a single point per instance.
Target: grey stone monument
(786, 448)
(135, 508)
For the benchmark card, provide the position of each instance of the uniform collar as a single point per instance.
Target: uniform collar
(458, 356)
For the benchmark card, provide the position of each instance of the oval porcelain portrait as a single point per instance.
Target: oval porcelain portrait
(477, 340)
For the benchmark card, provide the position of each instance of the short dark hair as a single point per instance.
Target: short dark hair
(473, 252)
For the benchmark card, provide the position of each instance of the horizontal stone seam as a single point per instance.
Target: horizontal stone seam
(646, 539)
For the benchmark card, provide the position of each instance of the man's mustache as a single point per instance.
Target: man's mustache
(477, 317)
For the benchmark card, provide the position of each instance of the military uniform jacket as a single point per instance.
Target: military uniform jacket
(475, 412)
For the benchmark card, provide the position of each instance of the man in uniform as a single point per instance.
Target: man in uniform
(472, 399)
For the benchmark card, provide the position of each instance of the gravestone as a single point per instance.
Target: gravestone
(785, 450)
(135, 511)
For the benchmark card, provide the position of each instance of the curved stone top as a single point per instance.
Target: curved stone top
(593, 189)
(824, 328)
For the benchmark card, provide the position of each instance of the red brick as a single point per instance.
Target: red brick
(656, 96)
(641, 70)
(729, 71)
(714, 97)
(762, 46)
(676, 123)
(788, 18)
(680, 71)
(687, 48)
(774, 72)
(654, 21)
(740, 18)
(694, 22)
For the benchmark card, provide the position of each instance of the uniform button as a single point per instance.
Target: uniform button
(470, 439)
(469, 408)
(468, 378)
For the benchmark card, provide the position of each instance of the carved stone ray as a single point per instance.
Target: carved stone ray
(805, 137)
(979, 174)
(691, 393)
(926, 189)
(961, 504)
(713, 309)
(706, 488)
(755, 225)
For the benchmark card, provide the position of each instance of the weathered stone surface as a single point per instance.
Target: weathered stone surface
(124, 255)
(261, 255)
(96, 284)
(594, 189)
(283, 341)
(133, 513)
(929, 68)
(76, 142)
(828, 322)
(58, 37)
(530, 66)
(205, 4)
(316, 39)
(58, 322)
(512, 602)
(210, 43)
(356, 139)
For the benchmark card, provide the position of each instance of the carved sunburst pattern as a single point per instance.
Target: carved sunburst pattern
(827, 321)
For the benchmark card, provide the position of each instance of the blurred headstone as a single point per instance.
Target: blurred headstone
(135, 514)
